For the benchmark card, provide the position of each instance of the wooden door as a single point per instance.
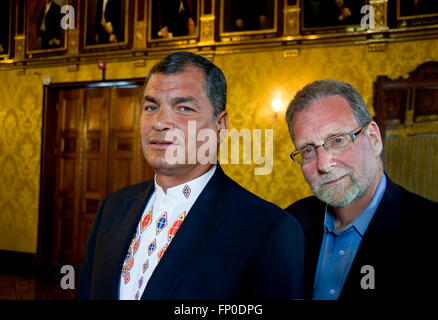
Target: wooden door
(98, 139)
(93, 174)
(68, 167)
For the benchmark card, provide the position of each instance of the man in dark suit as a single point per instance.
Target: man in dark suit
(326, 13)
(173, 18)
(107, 20)
(249, 15)
(366, 237)
(49, 25)
(192, 232)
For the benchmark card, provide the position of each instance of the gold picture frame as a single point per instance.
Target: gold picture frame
(5, 37)
(50, 38)
(318, 17)
(412, 13)
(93, 33)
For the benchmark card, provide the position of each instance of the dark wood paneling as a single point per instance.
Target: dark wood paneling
(98, 138)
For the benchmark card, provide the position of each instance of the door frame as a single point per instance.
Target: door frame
(46, 213)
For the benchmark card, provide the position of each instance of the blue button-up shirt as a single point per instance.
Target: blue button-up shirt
(338, 249)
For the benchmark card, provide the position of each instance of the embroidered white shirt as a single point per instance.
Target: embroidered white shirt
(160, 220)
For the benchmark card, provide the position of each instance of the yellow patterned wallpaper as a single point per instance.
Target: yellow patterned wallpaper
(254, 79)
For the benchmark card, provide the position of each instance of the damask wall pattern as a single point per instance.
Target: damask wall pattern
(254, 79)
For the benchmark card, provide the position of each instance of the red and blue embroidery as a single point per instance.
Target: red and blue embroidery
(145, 266)
(130, 263)
(146, 220)
(128, 255)
(175, 226)
(126, 277)
(135, 246)
(186, 191)
(152, 246)
(161, 222)
(162, 251)
(135, 235)
(124, 270)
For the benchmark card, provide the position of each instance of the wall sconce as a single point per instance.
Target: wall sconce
(276, 107)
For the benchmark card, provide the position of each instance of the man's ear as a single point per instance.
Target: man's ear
(375, 137)
(222, 126)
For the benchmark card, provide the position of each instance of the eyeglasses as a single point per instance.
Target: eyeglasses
(333, 145)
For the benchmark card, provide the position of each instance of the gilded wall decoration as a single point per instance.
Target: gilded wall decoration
(207, 28)
(140, 35)
(73, 41)
(291, 21)
(380, 13)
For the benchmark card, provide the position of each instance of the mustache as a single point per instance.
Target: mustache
(170, 137)
(333, 175)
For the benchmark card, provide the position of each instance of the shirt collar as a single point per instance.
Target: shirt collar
(186, 191)
(361, 223)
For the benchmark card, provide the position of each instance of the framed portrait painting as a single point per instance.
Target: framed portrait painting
(106, 23)
(330, 15)
(5, 29)
(43, 26)
(173, 21)
(417, 12)
(248, 16)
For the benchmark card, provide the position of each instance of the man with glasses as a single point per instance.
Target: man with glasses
(366, 236)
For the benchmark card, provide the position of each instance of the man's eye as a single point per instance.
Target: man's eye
(307, 150)
(150, 108)
(184, 108)
(338, 140)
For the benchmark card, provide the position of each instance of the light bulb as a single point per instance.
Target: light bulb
(276, 104)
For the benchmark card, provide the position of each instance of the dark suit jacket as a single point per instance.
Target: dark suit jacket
(249, 11)
(400, 243)
(112, 14)
(232, 244)
(52, 24)
(166, 13)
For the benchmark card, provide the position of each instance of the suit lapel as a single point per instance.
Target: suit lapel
(314, 234)
(122, 236)
(376, 237)
(192, 237)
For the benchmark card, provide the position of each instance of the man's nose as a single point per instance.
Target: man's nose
(324, 160)
(163, 119)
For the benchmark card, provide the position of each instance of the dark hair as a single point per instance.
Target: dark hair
(326, 88)
(215, 83)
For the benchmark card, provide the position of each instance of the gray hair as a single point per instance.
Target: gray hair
(317, 90)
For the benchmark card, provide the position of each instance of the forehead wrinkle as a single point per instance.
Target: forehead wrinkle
(171, 85)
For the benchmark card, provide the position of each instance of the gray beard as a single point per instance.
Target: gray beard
(347, 191)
